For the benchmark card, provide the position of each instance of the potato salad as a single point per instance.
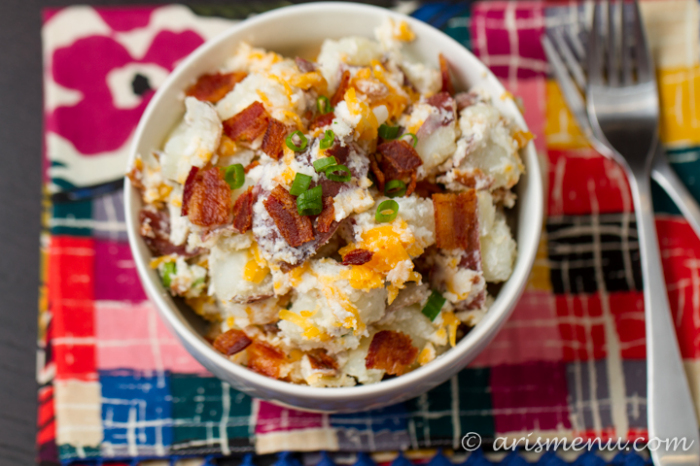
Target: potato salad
(338, 219)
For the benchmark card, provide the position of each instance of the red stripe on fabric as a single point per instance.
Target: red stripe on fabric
(71, 293)
(46, 416)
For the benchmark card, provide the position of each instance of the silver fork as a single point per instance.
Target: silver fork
(565, 55)
(623, 110)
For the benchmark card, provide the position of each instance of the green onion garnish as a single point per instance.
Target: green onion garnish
(301, 183)
(328, 139)
(413, 136)
(310, 202)
(169, 269)
(302, 141)
(433, 306)
(395, 188)
(332, 173)
(323, 105)
(387, 211)
(320, 165)
(235, 175)
(388, 132)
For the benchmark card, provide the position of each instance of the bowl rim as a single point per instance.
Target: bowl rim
(481, 333)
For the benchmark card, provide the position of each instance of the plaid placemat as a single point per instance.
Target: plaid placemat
(115, 385)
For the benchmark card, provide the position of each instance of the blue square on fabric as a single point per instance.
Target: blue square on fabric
(136, 413)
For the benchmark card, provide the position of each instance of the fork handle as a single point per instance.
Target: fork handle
(667, 178)
(670, 409)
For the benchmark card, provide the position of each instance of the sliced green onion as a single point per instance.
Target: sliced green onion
(300, 184)
(302, 141)
(169, 269)
(413, 136)
(387, 211)
(235, 175)
(320, 165)
(310, 202)
(433, 306)
(388, 132)
(197, 282)
(328, 139)
(332, 173)
(395, 188)
(323, 105)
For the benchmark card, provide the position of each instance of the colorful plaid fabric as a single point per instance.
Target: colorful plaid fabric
(116, 386)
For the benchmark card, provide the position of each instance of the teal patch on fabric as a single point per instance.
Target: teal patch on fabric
(69, 452)
(73, 218)
(432, 415)
(201, 406)
(663, 204)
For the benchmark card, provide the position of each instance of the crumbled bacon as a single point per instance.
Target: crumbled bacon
(427, 189)
(391, 351)
(250, 166)
(342, 87)
(248, 124)
(321, 121)
(466, 99)
(243, 211)
(273, 140)
(456, 221)
(265, 359)
(398, 160)
(321, 361)
(214, 87)
(445, 73)
(304, 65)
(295, 228)
(231, 342)
(208, 198)
(473, 178)
(357, 257)
(155, 230)
(187, 189)
(411, 184)
(378, 175)
(340, 152)
(327, 216)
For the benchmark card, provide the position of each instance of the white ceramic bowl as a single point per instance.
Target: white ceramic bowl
(289, 30)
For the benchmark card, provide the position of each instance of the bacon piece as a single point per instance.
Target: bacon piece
(321, 121)
(248, 124)
(399, 159)
(304, 65)
(250, 166)
(243, 211)
(427, 189)
(214, 87)
(273, 140)
(466, 99)
(445, 73)
(321, 361)
(265, 359)
(155, 230)
(208, 198)
(282, 207)
(411, 184)
(342, 87)
(327, 216)
(378, 175)
(456, 221)
(473, 178)
(231, 342)
(187, 189)
(391, 351)
(340, 152)
(357, 257)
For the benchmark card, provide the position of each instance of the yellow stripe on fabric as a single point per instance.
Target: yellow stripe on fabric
(679, 94)
(539, 279)
(561, 130)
